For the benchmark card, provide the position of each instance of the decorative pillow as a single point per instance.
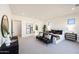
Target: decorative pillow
(7, 41)
(49, 36)
(40, 33)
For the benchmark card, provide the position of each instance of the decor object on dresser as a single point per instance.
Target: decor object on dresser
(71, 36)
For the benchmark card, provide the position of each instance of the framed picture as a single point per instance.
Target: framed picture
(71, 21)
(29, 28)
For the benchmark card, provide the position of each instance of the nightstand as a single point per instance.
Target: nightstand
(71, 36)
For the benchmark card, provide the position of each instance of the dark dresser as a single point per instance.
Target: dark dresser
(12, 49)
(71, 36)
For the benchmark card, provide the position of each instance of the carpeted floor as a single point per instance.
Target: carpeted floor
(30, 45)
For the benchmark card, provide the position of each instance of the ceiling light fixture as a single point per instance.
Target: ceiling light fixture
(73, 8)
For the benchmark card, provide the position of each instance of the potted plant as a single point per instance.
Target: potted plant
(44, 28)
(36, 27)
(36, 30)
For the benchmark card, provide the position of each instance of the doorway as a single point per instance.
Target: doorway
(16, 28)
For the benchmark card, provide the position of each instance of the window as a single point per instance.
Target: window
(71, 21)
(29, 28)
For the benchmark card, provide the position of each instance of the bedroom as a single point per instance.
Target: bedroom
(23, 19)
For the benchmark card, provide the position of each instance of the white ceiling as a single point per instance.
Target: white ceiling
(43, 11)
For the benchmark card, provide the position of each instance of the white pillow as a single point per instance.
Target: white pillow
(2, 40)
(49, 36)
(40, 34)
(7, 41)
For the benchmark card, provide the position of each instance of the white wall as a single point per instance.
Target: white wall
(58, 22)
(26, 20)
(5, 10)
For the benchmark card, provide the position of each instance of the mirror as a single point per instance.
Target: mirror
(4, 26)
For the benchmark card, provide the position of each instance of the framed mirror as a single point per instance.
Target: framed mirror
(4, 26)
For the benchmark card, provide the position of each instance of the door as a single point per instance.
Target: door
(16, 28)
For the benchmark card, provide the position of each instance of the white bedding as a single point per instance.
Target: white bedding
(58, 40)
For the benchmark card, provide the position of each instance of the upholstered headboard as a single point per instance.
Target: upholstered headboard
(57, 31)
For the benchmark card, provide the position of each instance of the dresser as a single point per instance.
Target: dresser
(12, 49)
(71, 36)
